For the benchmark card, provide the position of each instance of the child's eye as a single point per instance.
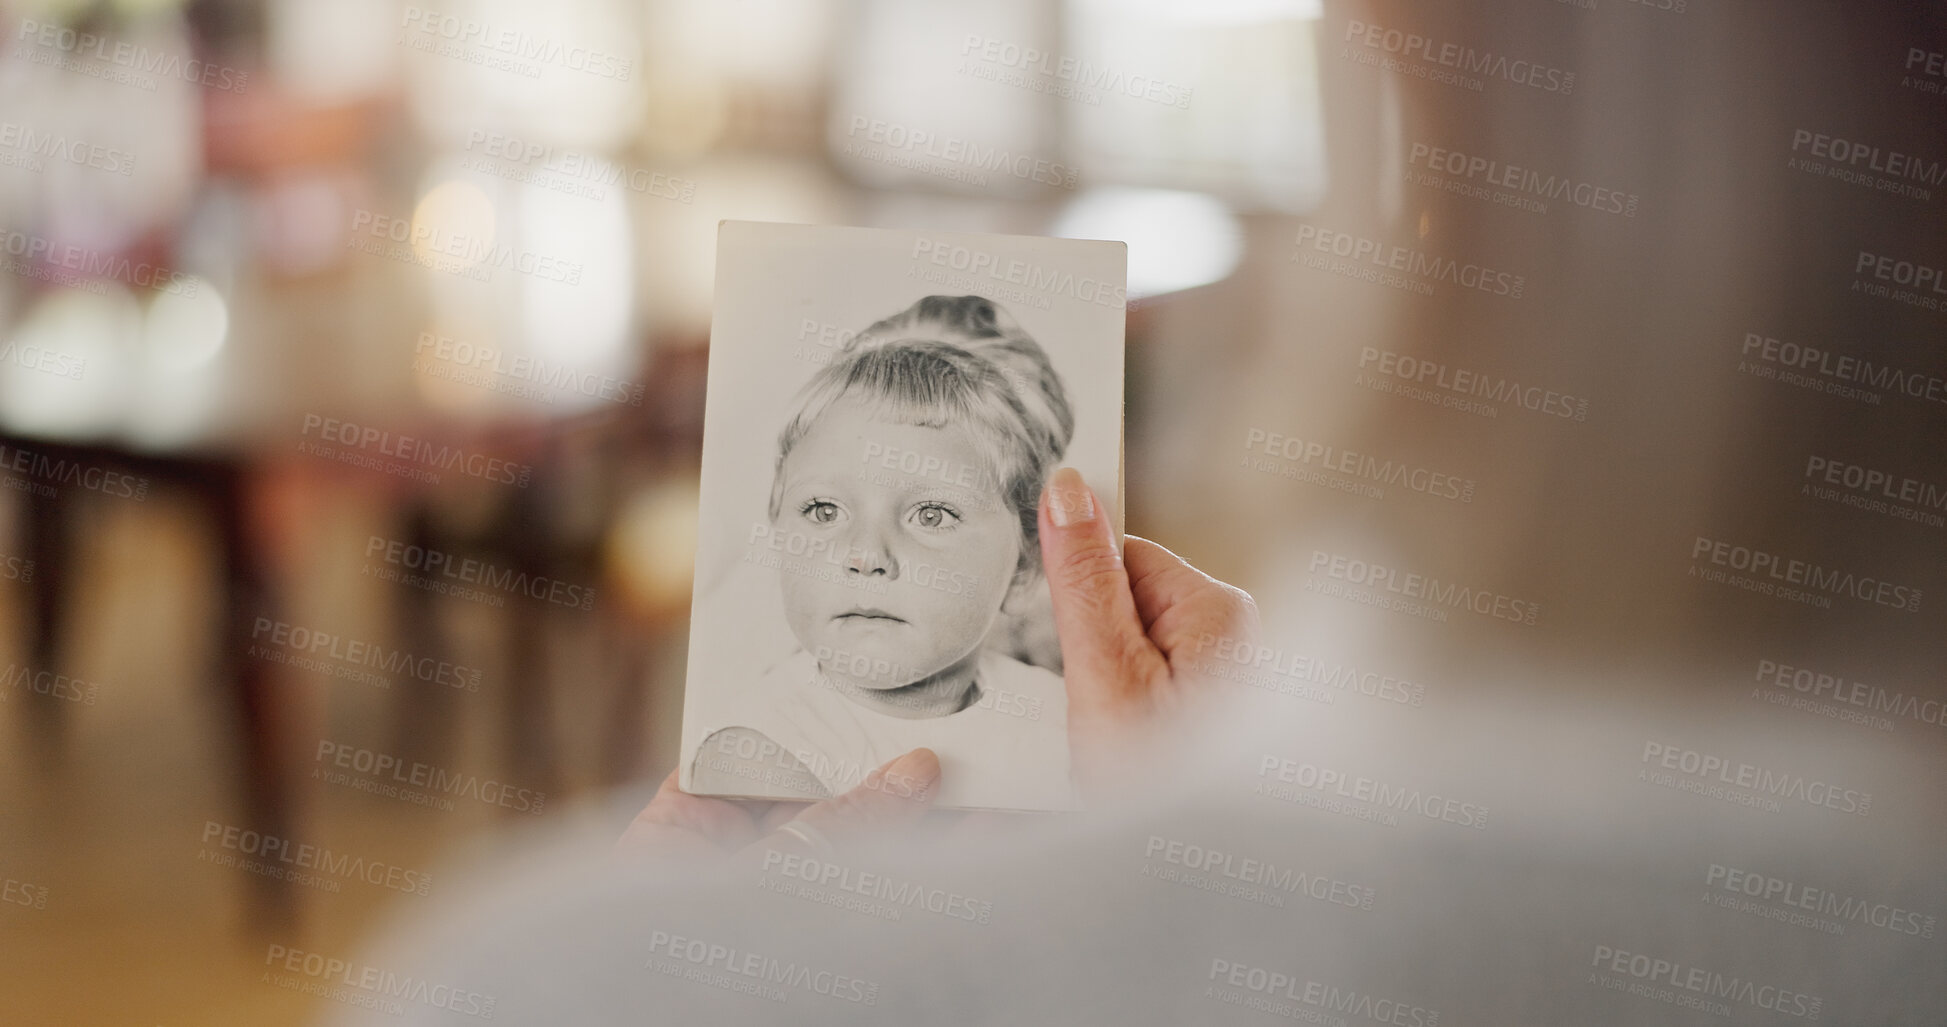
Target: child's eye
(935, 516)
(819, 511)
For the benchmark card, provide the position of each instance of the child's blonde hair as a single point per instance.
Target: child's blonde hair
(954, 360)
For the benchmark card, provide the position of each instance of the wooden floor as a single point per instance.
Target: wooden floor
(139, 926)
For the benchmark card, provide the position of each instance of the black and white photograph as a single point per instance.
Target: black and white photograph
(883, 411)
(1358, 513)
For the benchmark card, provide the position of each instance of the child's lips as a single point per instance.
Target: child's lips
(867, 615)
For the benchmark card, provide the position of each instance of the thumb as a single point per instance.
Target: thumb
(894, 794)
(1106, 657)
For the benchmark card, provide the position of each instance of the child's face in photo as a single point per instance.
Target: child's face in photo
(926, 553)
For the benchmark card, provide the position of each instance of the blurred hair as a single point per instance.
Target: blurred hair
(960, 361)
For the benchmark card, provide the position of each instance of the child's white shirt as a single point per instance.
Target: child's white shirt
(1009, 750)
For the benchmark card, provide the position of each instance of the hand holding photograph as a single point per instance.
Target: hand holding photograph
(883, 410)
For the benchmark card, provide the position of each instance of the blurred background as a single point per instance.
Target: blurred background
(352, 358)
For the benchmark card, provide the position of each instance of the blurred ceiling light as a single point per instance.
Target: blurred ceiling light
(1176, 240)
(97, 329)
(181, 378)
(704, 57)
(778, 44)
(680, 240)
(472, 306)
(1222, 12)
(582, 324)
(564, 73)
(911, 109)
(132, 8)
(1225, 101)
(333, 51)
(687, 111)
(188, 326)
(1390, 133)
(145, 143)
(453, 225)
(651, 547)
(545, 310)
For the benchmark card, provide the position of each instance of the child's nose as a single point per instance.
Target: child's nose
(871, 554)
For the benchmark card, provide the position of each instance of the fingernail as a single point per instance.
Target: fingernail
(911, 776)
(1069, 501)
